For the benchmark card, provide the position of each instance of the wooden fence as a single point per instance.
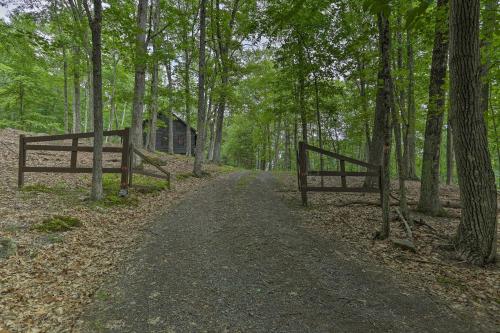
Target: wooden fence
(29, 143)
(303, 173)
(126, 150)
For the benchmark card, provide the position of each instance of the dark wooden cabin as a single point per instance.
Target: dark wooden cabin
(179, 135)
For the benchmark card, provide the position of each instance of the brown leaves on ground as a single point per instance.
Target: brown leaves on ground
(353, 218)
(45, 286)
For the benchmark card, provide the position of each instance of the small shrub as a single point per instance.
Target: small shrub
(58, 224)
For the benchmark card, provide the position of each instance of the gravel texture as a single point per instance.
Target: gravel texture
(231, 257)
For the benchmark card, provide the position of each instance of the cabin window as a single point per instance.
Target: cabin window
(180, 140)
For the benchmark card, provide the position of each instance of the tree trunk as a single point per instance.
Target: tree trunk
(154, 77)
(396, 125)
(95, 26)
(449, 152)
(200, 144)
(379, 146)
(65, 91)
(302, 97)
(287, 157)
(382, 120)
(277, 143)
(112, 100)
(187, 97)
(477, 232)
(76, 89)
(429, 190)
(487, 51)
(410, 135)
(170, 108)
(140, 78)
(223, 51)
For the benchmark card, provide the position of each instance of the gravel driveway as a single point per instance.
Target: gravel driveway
(232, 258)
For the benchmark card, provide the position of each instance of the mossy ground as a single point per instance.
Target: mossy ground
(58, 223)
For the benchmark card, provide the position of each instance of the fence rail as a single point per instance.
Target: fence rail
(25, 146)
(303, 172)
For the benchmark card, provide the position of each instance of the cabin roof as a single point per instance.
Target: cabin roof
(176, 117)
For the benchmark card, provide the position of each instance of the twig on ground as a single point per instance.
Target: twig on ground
(409, 233)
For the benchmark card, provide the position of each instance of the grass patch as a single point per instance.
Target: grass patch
(183, 176)
(113, 199)
(228, 168)
(102, 295)
(58, 224)
(141, 184)
(58, 189)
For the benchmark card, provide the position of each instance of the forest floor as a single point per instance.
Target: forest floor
(233, 257)
(50, 277)
(353, 218)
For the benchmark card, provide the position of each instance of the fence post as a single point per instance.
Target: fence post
(125, 164)
(74, 152)
(303, 171)
(342, 169)
(22, 162)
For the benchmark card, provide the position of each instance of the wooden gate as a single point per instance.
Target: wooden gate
(303, 173)
(126, 149)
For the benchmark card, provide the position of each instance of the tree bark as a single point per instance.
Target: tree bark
(410, 135)
(288, 155)
(95, 27)
(154, 77)
(382, 120)
(76, 90)
(170, 108)
(449, 152)
(223, 50)
(477, 231)
(112, 100)
(487, 51)
(429, 189)
(380, 145)
(140, 78)
(200, 144)
(65, 92)
(187, 97)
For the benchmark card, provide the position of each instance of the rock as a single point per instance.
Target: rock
(404, 244)
(7, 248)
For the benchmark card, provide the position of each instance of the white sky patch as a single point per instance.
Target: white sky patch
(4, 10)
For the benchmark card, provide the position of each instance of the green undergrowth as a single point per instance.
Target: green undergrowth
(60, 189)
(58, 223)
(229, 168)
(141, 185)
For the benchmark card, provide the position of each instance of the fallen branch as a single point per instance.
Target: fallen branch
(445, 204)
(434, 231)
(409, 233)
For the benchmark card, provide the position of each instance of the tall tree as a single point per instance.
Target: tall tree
(140, 76)
(223, 39)
(477, 231)
(429, 190)
(410, 135)
(383, 111)
(200, 144)
(95, 22)
(155, 71)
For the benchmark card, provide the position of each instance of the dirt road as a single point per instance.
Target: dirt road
(232, 258)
